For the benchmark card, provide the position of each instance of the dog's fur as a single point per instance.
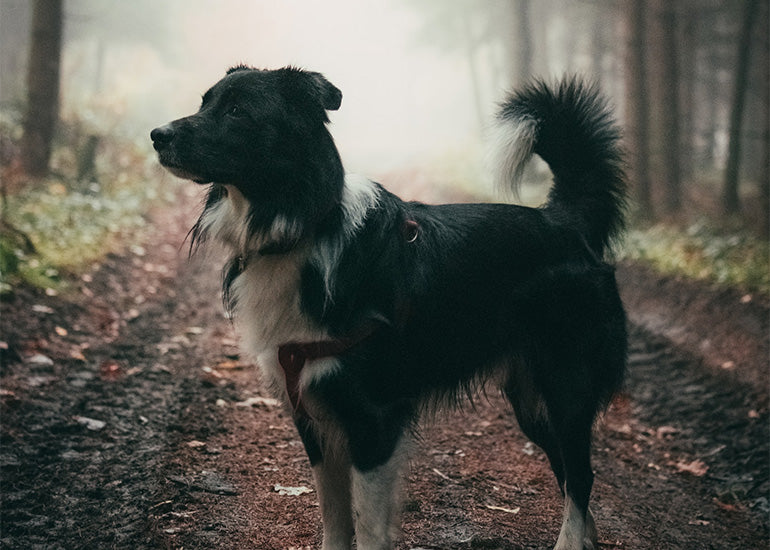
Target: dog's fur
(363, 311)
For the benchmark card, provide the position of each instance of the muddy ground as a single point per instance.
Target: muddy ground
(130, 421)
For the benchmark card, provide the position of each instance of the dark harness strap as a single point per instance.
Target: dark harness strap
(293, 356)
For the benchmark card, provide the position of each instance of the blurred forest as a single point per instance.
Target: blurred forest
(689, 79)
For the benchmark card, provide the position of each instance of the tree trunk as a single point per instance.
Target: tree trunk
(666, 81)
(42, 86)
(637, 110)
(14, 34)
(730, 200)
(764, 86)
(764, 175)
(524, 33)
(687, 90)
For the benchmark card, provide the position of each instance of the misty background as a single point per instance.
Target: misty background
(420, 78)
(82, 83)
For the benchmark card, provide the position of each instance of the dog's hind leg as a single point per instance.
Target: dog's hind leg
(532, 415)
(561, 427)
(578, 531)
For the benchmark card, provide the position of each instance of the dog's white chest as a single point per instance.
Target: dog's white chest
(267, 305)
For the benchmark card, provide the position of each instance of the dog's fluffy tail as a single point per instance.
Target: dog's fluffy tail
(572, 129)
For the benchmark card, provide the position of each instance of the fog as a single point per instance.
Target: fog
(421, 78)
(402, 100)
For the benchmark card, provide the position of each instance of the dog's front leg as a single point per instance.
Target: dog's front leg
(376, 502)
(331, 470)
(332, 478)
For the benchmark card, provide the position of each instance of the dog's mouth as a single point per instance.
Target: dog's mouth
(180, 171)
(185, 174)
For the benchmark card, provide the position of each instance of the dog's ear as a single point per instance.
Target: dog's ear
(328, 93)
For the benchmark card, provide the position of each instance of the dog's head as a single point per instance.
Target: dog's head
(263, 132)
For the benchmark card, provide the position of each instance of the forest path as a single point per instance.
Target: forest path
(129, 420)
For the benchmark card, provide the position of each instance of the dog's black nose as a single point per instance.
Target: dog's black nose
(162, 136)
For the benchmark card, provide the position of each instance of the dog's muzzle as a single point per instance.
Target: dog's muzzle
(161, 137)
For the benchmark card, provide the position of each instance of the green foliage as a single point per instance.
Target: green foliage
(727, 258)
(54, 227)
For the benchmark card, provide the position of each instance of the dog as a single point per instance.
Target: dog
(364, 312)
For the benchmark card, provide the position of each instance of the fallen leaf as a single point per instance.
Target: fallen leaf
(90, 423)
(161, 504)
(441, 474)
(110, 370)
(697, 467)
(211, 377)
(506, 510)
(195, 444)
(624, 429)
(264, 401)
(37, 381)
(664, 431)
(291, 491)
(699, 522)
(725, 506)
(39, 359)
(230, 365)
(37, 308)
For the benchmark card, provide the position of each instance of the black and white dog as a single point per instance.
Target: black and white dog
(363, 311)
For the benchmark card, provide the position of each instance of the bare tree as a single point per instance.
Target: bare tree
(637, 109)
(42, 86)
(666, 82)
(687, 40)
(730, 198)
(14, 31)
(524, 38)
(764, 87)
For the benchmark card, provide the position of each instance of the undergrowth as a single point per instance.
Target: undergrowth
(705, 252)
(61, 226)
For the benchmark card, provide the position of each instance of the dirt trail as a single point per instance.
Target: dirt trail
(130, 421)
